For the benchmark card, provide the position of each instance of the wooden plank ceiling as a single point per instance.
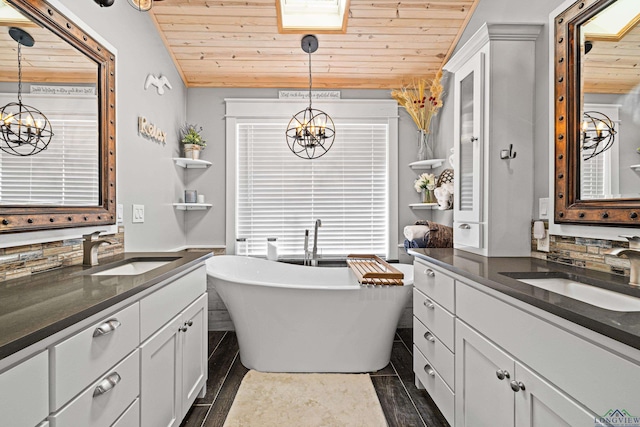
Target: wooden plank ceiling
(613, 66)
(50, 59)
(235, 43)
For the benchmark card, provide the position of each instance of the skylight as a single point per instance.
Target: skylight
(301, 16)
(10, 16)
(613, 22)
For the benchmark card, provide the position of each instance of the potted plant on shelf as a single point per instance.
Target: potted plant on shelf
(425, 184)
(192, 140)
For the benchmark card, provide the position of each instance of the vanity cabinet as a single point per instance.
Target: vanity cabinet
(144, 358)
(499, 390)
(493, 96)
(561, 377)
(174, 368)
(433, 334)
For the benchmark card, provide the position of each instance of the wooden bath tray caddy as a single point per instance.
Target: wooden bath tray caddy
(372, 270)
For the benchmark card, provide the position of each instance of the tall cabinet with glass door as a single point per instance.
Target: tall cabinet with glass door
(494, 84)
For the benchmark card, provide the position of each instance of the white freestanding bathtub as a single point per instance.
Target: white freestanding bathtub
(293, 318)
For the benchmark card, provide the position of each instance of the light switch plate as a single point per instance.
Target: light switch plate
(120, 215)
(138, 213)
(543, 207)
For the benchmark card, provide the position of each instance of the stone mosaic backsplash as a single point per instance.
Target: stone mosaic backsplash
(22, 261)
(586, 253)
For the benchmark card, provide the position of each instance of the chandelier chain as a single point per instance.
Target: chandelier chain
(310, 78)
(19, 72)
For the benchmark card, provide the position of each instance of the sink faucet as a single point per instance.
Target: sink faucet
(633, 253)
(314, 253)
(90, 244)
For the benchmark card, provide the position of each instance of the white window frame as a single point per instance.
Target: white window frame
(355, 110)
(611, 157)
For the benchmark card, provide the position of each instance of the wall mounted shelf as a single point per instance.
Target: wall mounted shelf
(423, 206)
(426, 164)
(192, 206)
(191, 163)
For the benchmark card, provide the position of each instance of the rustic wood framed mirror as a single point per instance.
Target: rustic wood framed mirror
(597, 165)
(71, 77)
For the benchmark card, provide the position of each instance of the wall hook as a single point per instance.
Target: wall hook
(508, 154)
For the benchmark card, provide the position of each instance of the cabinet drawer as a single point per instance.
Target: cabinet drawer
(24, 397)
(131, 417)
(101, 409)
(570, 362)
(162, 305)
(434, 384)
(433, 316)
(435, 284)
(439, 355)
(79, 360)
(467, 234)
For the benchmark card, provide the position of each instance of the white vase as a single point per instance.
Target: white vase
(192, 151)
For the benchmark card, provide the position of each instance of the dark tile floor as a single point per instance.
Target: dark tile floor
(403, 404)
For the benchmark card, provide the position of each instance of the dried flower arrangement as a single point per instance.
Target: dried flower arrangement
(414, 99)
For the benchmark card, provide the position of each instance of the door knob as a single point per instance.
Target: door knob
(502, 374)
(516, 385)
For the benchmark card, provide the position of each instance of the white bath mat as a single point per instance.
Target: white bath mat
(309, 400)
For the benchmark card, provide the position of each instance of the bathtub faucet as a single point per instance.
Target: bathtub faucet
(314, 253)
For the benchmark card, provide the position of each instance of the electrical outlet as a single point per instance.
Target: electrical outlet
(138, 213)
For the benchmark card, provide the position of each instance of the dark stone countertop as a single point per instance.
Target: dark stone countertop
(618, 325)
(35, 307)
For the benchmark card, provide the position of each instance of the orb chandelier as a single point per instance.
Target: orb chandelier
(598, 134)
(24, 130)
(310, 133)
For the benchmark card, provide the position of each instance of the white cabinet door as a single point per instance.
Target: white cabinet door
(24, 392)
(481, 399)
(468, 137)
(542, 405)
(161, 377)
(194, 351)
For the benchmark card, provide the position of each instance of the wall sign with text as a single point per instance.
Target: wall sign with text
(151, 131)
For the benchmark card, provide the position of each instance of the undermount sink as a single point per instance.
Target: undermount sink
(603, 298)
(133, 267)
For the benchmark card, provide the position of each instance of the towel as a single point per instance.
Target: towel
(439, 236)
(412, 232)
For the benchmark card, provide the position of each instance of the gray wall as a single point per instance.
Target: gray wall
(145, 172)
(206, 107)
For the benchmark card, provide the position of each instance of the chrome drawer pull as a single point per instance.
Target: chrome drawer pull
(107, 384)
(429, 272)
(190, 323)
(106, 328)
(429, 337)
(427, 303)
(464, 226)
(429, 370)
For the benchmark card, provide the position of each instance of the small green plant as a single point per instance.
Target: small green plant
(190, 134)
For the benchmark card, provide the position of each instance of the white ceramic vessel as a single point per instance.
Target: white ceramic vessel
(293, 318)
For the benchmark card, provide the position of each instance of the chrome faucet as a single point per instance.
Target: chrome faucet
(90, 244)
(633, 253)
(314, 253)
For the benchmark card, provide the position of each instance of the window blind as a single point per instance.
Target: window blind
(280, 195)
(66, 173)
